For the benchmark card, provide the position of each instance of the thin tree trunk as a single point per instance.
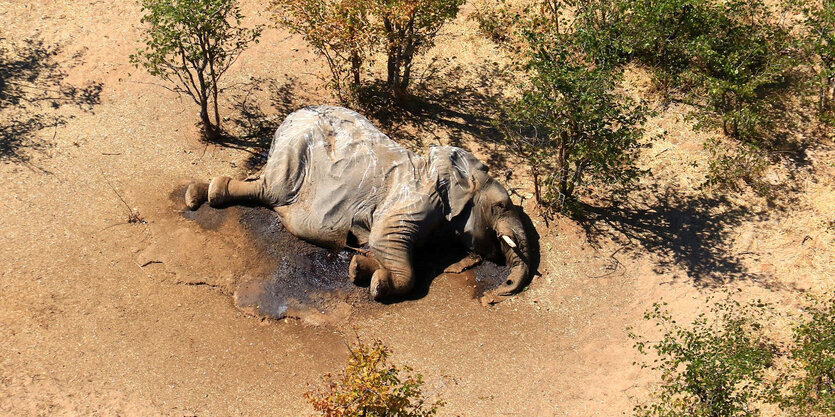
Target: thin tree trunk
(208, 129)
(392, 74)
(536, 186)
(562, 169)
(356, 65)
(408, 53)
(407, 72)
(394, 69)
(214, 103)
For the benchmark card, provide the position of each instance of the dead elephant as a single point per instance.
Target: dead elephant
(335, 180)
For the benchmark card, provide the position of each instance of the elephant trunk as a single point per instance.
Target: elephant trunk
(515, 247)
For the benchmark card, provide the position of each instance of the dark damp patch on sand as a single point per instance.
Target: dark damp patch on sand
(205, 217)
(306, 279)
(311, 283)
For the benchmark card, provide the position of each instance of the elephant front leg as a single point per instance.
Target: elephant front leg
(392, 248)
(393, 238)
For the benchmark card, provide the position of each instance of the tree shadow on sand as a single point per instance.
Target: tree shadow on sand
(32, 84)
(253, 128)
(694, 233)
(440, 110)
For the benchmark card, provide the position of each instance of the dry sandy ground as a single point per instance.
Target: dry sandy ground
(101, 317)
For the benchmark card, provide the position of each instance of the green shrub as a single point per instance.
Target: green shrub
(370, 386)
(191, 44)
(569, 123)
(712, 367)
(818, 42)
(595, 25)
(732, 59)
(495, 19)
(731, 165)
(808, 387)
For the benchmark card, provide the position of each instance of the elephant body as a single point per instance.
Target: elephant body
(335, 180)
(330, 174)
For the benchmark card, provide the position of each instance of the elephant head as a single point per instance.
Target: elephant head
(482, 214)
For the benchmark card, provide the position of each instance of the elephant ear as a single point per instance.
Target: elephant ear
(460, 175)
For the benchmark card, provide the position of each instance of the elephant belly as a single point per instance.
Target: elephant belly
(328, 213)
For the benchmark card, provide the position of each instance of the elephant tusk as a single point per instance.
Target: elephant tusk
(509, 241)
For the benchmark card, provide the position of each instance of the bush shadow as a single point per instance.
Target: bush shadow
(32, 89)
(252, 129)
(440, 110)
(694, 233)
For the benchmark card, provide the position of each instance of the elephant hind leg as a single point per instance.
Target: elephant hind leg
(223, 191)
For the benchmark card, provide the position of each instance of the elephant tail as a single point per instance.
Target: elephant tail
(223, 191)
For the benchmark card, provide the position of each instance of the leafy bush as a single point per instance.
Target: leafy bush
(742, 66)
(713, 367)
(370, 386)
(191, 44)
(810, 380)
(349, 32)
(339, 30)
(818, 42)
(731, 165)
(595, 25)
(495, 19)
(732, 59)
(569, 123)
(409, 28)
(716, 366)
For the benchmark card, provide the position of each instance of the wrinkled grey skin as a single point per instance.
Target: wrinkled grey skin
(335, 180)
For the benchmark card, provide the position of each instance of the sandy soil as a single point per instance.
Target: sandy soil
(103, 317)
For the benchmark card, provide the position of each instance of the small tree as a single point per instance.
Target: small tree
(742, 64)
(731, 59)
(370, 386)
(348, 33)
(731, 164)
(819, 44)
(191, 44)
(808, 386)
(712, 368)
(338, 30)
(410, 27)
(569, 123)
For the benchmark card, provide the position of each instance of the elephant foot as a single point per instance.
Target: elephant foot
(196, 194)
(362, 268)
(218, 191)
(380, 284)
